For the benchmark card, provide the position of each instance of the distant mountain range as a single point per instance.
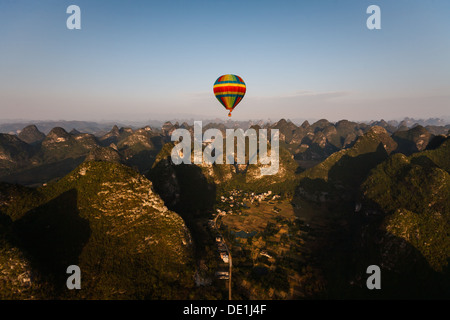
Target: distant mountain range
(32, 157)
(100, 128)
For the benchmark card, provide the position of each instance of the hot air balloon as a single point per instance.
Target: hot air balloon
(229, 89)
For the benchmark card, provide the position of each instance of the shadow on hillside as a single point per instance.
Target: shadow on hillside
(424, 162)
(341, 249)
(43, 173)
(158, 142)
(142, 161)
(343, 246)
(186, 191)
(53, 235)
(184, 188)
(352, 171)
(346, 252)
(405, 146)
(5, 220)
(108, 141)
(344, 178)
(315, 152)
(198, 196)
(436, 142)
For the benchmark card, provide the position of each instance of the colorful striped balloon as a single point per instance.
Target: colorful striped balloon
(229, 89)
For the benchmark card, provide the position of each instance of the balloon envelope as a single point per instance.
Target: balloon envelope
(229, 89)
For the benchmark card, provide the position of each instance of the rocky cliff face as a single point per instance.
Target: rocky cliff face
(17, 278)
(105, 218)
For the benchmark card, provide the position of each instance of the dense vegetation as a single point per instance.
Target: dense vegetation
(105, 218)
(415, 193)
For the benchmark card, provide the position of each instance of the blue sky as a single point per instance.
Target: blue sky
(137, 60)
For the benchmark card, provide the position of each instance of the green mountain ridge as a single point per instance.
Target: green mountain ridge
(340, 175)
(380, 207)
(414, 193)
(105, 218)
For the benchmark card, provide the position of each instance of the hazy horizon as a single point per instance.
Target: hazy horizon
(190, 119)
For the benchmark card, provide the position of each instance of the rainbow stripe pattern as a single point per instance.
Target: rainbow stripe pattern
(229, 89)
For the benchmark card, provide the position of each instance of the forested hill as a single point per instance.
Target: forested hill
(103, 217)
